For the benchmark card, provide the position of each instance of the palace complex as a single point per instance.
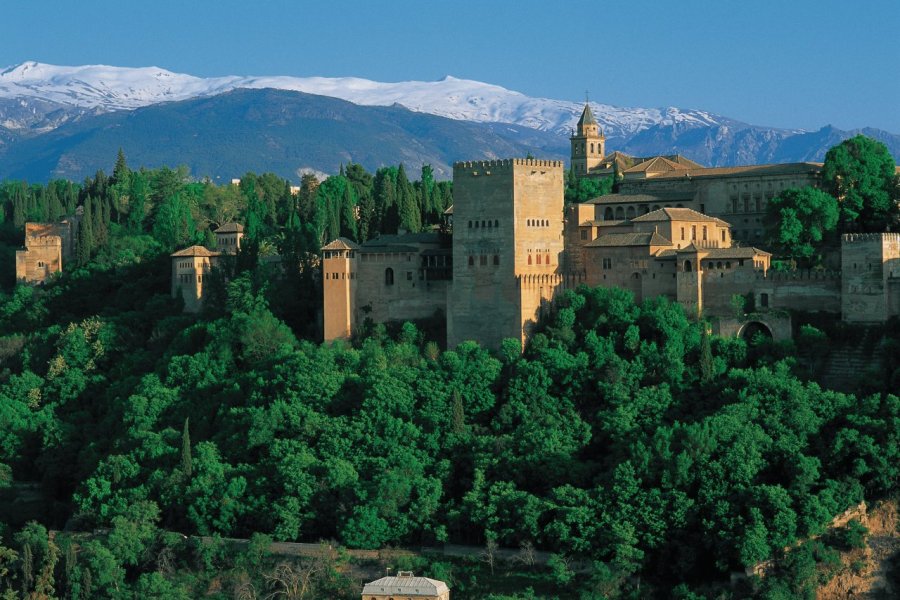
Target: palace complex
(674, 229)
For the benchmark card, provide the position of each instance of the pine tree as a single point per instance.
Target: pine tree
(186, 461)
(121, 172)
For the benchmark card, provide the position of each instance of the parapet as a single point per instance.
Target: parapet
(799, 275)
(487, 167)
(849, 238)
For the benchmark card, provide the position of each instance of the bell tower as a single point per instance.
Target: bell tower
(588, 143)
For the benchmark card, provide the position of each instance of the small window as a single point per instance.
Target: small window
(471, 261)
(538, 259)
(496, 222)
(693, 232)
(483, 260)
(764, 300)
(607, 263)
(496, 259)
(682, 233)
(723, 235)
(476, 224)
(584, 234)
(529, 259)
(388, 276)
(470, 224)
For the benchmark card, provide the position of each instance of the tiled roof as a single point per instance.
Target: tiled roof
(195, 251)
(406, 586)
(676, 214)
(341, 243)
(663, 164)
(230, 228)
(629, 239)
(449, 211)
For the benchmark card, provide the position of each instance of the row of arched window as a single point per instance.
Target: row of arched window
(537, 222)
(537, 259)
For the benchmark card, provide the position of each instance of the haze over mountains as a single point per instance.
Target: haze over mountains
(69, 121)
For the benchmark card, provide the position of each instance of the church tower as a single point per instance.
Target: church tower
(588, 143)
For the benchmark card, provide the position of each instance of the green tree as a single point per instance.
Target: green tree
(797, 222)
(860, 173)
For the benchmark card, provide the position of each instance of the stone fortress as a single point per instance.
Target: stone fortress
(674, 229)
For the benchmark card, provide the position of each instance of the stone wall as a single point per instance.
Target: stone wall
(410, 296)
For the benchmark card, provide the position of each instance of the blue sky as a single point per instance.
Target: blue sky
(790, 63)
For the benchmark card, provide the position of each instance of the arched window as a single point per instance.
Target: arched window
(496, 259)
(496, 222)
(490, 224)
(687, 266)
(529, 259)
(608, 214)
(723, 235)
(471, 261)
(389, 276)
(718, 265)
(538, 259)
(592, 147)
(629, 214)
(620, 213)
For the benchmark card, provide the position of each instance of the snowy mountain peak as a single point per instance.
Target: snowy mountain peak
(112, 88)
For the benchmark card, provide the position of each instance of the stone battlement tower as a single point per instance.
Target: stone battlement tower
(508, 228)
(588, 144)
(870, 276)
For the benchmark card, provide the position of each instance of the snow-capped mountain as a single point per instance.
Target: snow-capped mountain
(106, 88)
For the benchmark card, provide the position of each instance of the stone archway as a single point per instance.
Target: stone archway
(753, 329)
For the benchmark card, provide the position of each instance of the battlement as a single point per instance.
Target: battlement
(540, 280)
(799, 275)
(487, 167)
(44, 241)
(849, 238)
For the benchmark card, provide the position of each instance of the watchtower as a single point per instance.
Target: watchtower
(228, 238)
(588, 143)
(507, 247)
(339, 270)
(870, 273)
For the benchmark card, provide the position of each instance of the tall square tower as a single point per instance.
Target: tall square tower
(507, 247)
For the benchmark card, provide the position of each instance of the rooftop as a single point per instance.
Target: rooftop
(676, 214)
(406, 586)
(230, 228)
(195, 251)
(341, 243)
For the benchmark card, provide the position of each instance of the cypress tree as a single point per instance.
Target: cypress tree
(706, 359)
(186, 466)
(85, 241)
(121, 170)
(348, 214)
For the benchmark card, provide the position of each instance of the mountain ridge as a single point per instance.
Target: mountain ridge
(48, 115)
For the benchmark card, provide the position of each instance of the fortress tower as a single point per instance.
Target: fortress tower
(588, 143)
(339, 287)
(507, 247)
(870, 277)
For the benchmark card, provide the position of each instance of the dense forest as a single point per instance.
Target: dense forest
(646, 456)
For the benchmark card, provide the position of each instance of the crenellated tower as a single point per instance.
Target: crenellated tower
(588, 143)
(507, 247)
